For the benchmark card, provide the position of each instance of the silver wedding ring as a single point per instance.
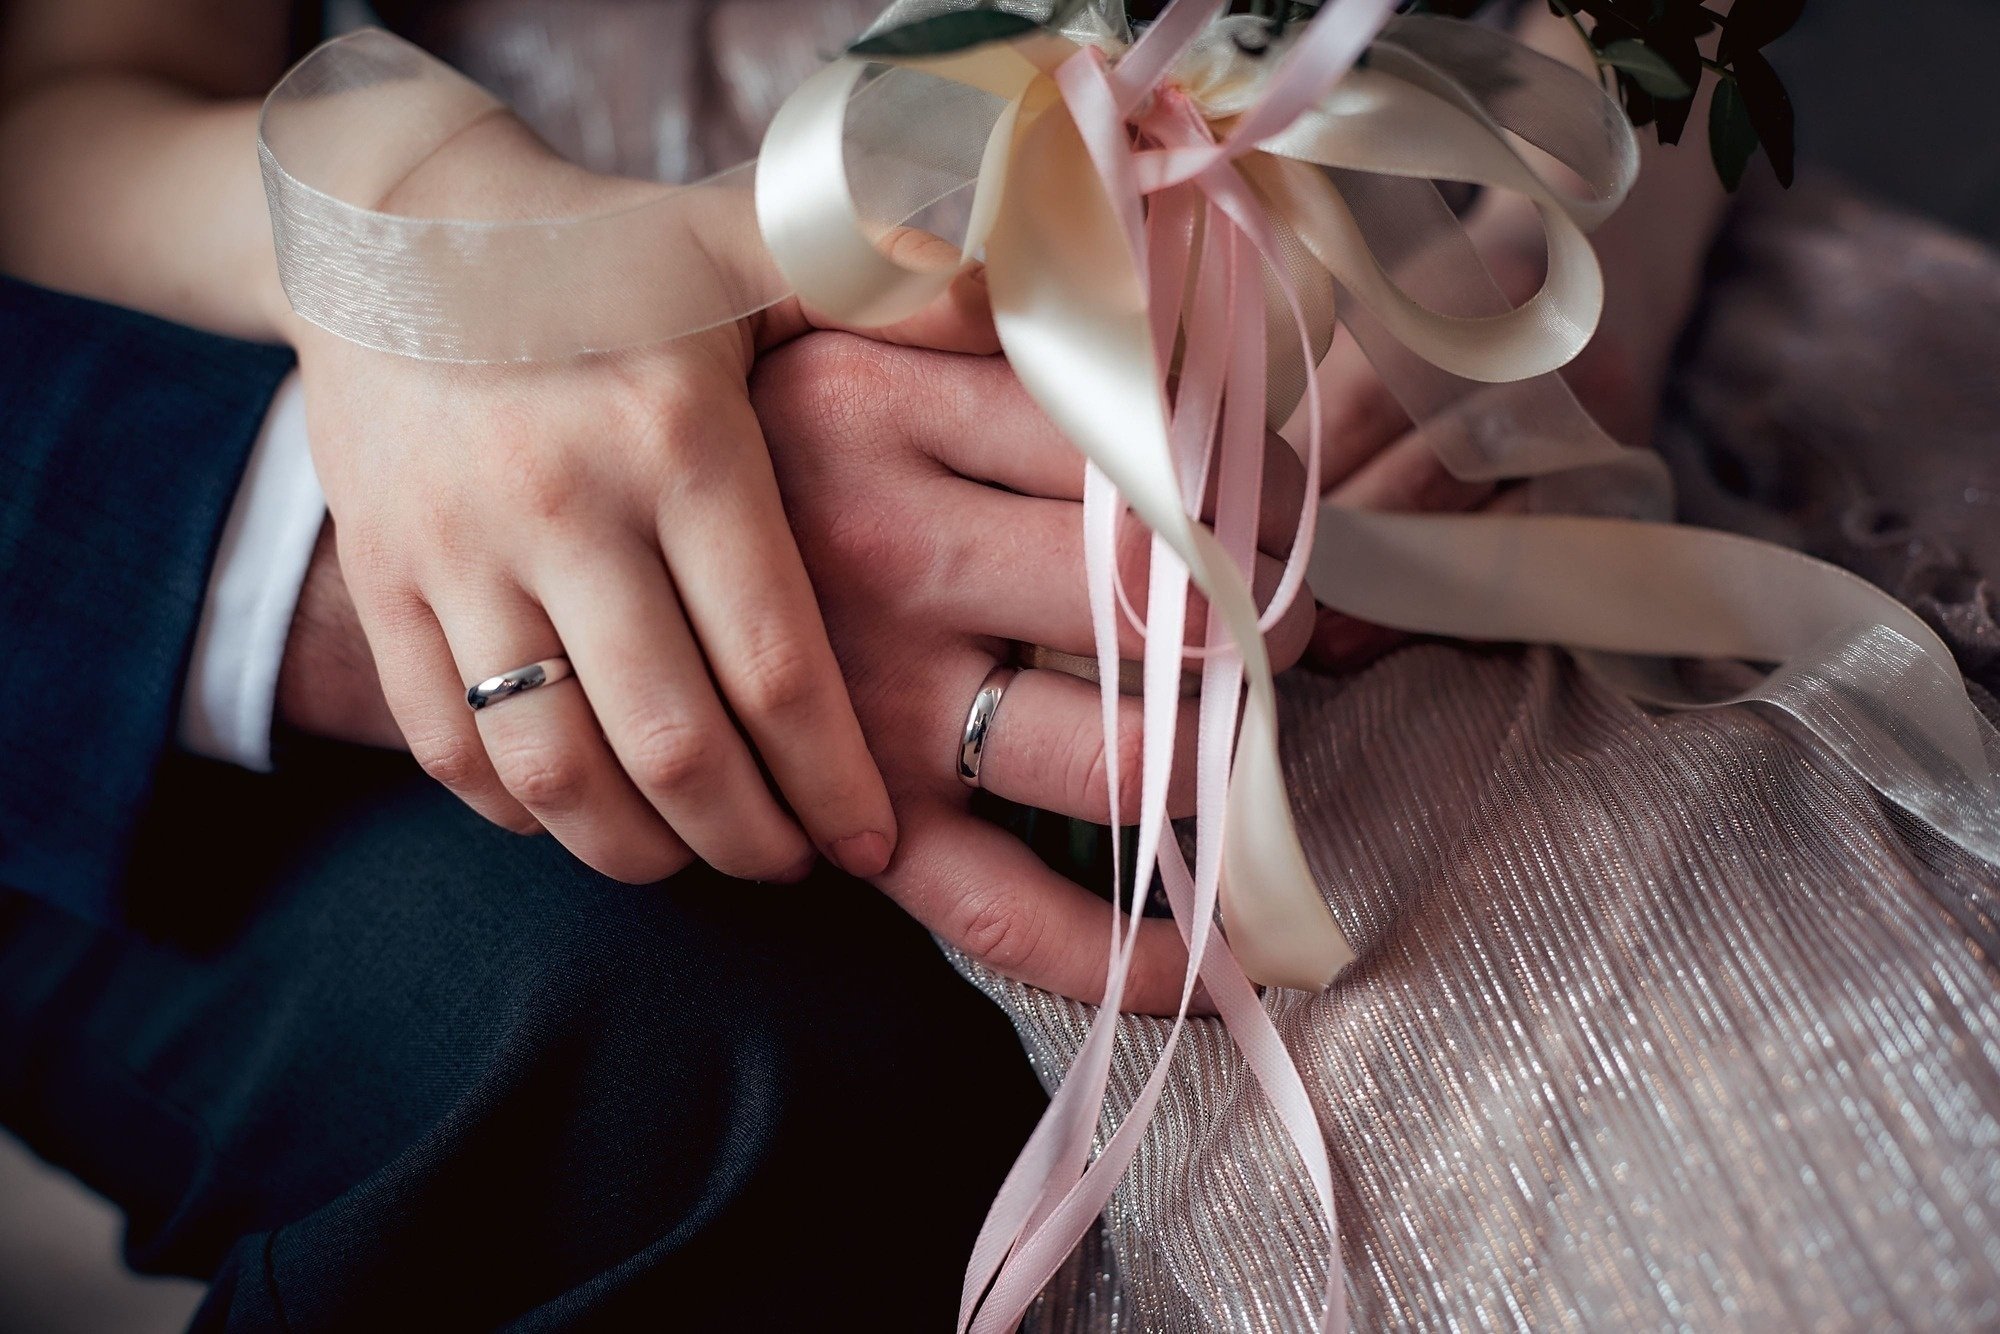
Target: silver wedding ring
(508, 684)
(979, 721)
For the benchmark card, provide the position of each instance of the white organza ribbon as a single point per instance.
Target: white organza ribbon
(1180, 211)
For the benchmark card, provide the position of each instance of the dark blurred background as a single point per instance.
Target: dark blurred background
(1900, 97)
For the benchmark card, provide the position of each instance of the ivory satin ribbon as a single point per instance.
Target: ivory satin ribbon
(1177, 209)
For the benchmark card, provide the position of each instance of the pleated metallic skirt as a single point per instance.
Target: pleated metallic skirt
(1658, 1023)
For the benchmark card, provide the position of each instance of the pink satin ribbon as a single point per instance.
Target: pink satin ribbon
(1145, 139)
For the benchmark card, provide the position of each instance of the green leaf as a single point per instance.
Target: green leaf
(1771, 115)
(1731, 136)
(1648, 68)
(941, 34)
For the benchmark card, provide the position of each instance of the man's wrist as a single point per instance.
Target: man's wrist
(327, 684)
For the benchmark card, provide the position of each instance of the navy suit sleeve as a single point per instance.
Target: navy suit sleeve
(122, 440)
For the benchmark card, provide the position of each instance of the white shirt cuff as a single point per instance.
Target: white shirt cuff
(253, 589)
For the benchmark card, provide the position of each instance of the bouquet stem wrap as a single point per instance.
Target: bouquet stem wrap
(1172, 226)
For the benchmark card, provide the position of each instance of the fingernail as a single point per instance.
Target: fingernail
(861, 855)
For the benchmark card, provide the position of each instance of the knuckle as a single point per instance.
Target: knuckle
(400, 625)
(1093, 785)
(367, 547)
(662, 420)
(541, 484)
(1000, 931)
(450, 758)
(670, 758)
(545, 778)
(776, 678)
(828, 386)
(874, 544)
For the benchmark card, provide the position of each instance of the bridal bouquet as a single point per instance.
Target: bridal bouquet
(1174, 221)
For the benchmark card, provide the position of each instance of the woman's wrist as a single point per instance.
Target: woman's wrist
(493, 169)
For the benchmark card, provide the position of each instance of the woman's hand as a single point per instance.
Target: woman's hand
(940, 514)
(1375, 460)
(619, 510)
(1652, 252)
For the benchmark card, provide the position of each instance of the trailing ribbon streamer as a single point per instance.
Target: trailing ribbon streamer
(1182, 212)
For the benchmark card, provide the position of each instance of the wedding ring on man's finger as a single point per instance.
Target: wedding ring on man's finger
(519, 681)
(979, 722)
(1131, 673)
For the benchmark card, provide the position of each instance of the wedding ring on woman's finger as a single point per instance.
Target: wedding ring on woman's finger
(519, 681)
(979, 722)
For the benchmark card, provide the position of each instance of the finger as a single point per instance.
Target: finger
(959, 319)
(547, 749)
(621, 623)
(1046, 748)
(421, 683)
(984, 426)
(1406, 477)
(985, 892)
(745, 590)
(1362, 417)
(1281, 495)
(1340, 643)
(1018, 574)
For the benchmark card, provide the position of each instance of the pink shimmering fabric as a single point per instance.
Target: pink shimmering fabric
(1658, 1022)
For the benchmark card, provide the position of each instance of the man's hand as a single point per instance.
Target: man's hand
(940, 516)
(327, 684)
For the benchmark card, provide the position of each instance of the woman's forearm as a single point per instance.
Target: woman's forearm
(128, 165)
(122, 182)
(127, 188)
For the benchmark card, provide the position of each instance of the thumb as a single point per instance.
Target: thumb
(959, 319)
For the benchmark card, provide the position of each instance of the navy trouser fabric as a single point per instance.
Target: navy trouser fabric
(372, 1063)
